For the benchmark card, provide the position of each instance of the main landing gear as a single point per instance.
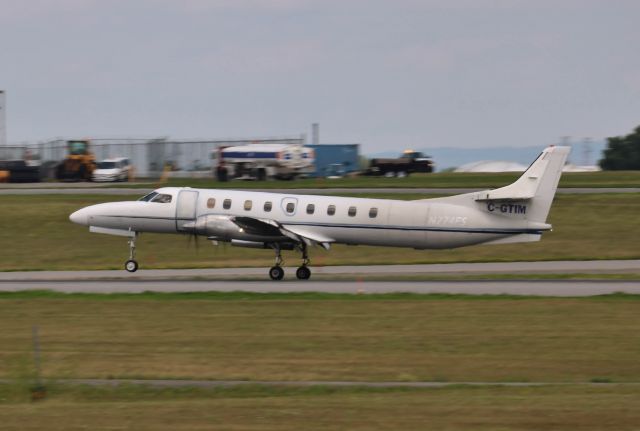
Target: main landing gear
(276, 272)
(302, 273)
(131, 265)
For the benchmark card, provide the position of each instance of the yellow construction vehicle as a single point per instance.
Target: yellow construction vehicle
(79, 163)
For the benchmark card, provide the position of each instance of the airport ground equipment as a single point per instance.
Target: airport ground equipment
(19, 171)
(79, 163)
(263, 161)
(408, 163)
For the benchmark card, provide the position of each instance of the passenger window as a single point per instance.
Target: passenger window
(352, 211)
(331, 210)
(291, 207)
(162, 199)
(247, 205)
(373, 213)
(311, 208)
(267, 206)
(211, 203)
(226, 204)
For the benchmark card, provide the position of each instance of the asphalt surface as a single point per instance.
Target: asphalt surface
(529, 288)
(316, 191)
(550, 267)
(346, 279)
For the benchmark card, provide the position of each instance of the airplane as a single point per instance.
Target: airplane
(516, 213)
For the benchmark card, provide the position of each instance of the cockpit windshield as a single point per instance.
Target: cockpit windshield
(156, 197)
(162, 199)
(148, 197)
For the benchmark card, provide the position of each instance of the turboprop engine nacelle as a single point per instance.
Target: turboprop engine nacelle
(217, 226)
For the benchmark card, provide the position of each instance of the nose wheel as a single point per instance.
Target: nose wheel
(131, 265)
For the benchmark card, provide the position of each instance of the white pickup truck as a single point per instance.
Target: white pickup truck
(262, 161)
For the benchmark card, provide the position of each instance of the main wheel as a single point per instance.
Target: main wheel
(276, 273)
(131, 265)
(303, 273)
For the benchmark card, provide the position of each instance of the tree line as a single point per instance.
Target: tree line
(622, 152)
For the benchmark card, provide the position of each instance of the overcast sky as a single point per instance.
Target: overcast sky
(387, 74)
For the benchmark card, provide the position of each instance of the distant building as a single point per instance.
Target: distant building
(492, 166)
(575, 168)
(335, 159)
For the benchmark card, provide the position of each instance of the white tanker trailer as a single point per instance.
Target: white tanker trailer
(263, 161)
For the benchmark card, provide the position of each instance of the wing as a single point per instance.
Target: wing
(268, 227)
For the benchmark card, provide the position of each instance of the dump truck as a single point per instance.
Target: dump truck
(79, 163)
(410, 162)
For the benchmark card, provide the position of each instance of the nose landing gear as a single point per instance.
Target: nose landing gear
(131, 265)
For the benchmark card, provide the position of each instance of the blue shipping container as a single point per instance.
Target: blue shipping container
(332, 159)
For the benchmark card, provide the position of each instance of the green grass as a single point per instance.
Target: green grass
(240, 336)
(287, 296)
(437, 180)
(38, 235)
(316, 336)
(463, 408)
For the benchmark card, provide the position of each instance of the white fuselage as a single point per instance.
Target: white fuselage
(422, 224)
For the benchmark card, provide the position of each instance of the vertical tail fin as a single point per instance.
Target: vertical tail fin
(538, 184)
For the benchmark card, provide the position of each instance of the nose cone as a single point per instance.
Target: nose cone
(80, 217)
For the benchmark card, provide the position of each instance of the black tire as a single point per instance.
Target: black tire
(60, 171)
(303, 273)
(222, 174)
(276, 273)
(131, 265)
(262, 174)
(82, 173)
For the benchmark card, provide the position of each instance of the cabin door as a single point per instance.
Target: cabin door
(186, 208)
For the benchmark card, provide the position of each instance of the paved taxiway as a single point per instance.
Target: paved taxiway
(355, 191)
(533, 287)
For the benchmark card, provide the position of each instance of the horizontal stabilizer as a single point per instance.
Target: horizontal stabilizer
(523, 237)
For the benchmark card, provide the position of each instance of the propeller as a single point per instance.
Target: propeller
(193, 239)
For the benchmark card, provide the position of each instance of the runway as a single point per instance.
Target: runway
(310, 191)
(344, 279)
(356, 271)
